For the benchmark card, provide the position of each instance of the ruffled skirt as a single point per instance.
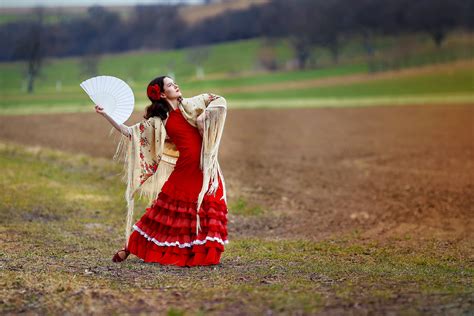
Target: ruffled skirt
(166, 233)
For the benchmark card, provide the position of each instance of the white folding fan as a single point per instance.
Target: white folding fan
(111, 93)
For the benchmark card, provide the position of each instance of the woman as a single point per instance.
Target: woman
(172, 156)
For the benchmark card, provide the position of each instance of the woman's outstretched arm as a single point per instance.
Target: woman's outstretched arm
(122, 128)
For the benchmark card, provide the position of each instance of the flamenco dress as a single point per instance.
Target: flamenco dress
(166, 233)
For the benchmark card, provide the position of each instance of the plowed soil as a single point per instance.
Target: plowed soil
(405, 171)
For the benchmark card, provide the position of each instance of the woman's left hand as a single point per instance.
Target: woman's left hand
(200, 122)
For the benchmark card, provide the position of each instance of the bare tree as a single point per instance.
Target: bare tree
(302, 47)
(197, 56)
(267, 55)
(89, 64)
(156, 26)
(31, 48)
(436, 17)
(296, 22)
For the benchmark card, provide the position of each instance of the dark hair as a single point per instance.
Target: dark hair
(159, 107)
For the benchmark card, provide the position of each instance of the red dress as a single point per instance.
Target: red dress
(166, 233)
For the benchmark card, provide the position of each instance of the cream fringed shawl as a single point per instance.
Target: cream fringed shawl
(149, 158)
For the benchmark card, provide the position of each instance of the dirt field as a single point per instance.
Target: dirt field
(379, 172)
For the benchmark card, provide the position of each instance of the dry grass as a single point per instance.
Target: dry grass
(62, 219)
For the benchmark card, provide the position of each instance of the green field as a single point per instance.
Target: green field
(233, 66)
(451, 87)
(459, 81)
(62, 219)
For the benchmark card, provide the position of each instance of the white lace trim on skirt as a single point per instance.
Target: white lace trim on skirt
(176, 243)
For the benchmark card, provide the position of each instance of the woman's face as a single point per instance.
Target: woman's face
(171, 89)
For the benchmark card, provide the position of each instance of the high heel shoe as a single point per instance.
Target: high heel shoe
(117, 258)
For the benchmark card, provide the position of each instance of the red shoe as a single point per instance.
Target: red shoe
(117, 258)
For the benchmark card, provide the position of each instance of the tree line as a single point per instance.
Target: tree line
(305, 22)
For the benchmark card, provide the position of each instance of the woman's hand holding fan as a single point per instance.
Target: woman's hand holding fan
(99, 110)
(112, 95)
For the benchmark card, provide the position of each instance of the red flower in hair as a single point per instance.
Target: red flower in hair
(153, 92)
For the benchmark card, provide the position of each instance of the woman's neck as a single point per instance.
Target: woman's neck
(174, 103)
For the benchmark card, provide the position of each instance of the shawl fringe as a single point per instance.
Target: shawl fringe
(124, 154)
(213, 128)
(150, 188)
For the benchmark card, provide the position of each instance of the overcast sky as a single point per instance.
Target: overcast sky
(53, 3)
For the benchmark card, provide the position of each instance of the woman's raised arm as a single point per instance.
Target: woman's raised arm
(122, 128)
(214, 100)
(210, 100)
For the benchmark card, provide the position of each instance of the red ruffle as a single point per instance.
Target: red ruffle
(170, 219)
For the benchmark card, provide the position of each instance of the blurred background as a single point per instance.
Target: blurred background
(347, 154)
(246, 49)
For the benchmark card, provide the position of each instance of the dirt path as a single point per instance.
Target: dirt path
(377, 171)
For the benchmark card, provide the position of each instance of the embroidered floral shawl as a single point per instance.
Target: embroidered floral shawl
(149, 156)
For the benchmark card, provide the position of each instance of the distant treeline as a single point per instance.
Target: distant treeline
(306, 22)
